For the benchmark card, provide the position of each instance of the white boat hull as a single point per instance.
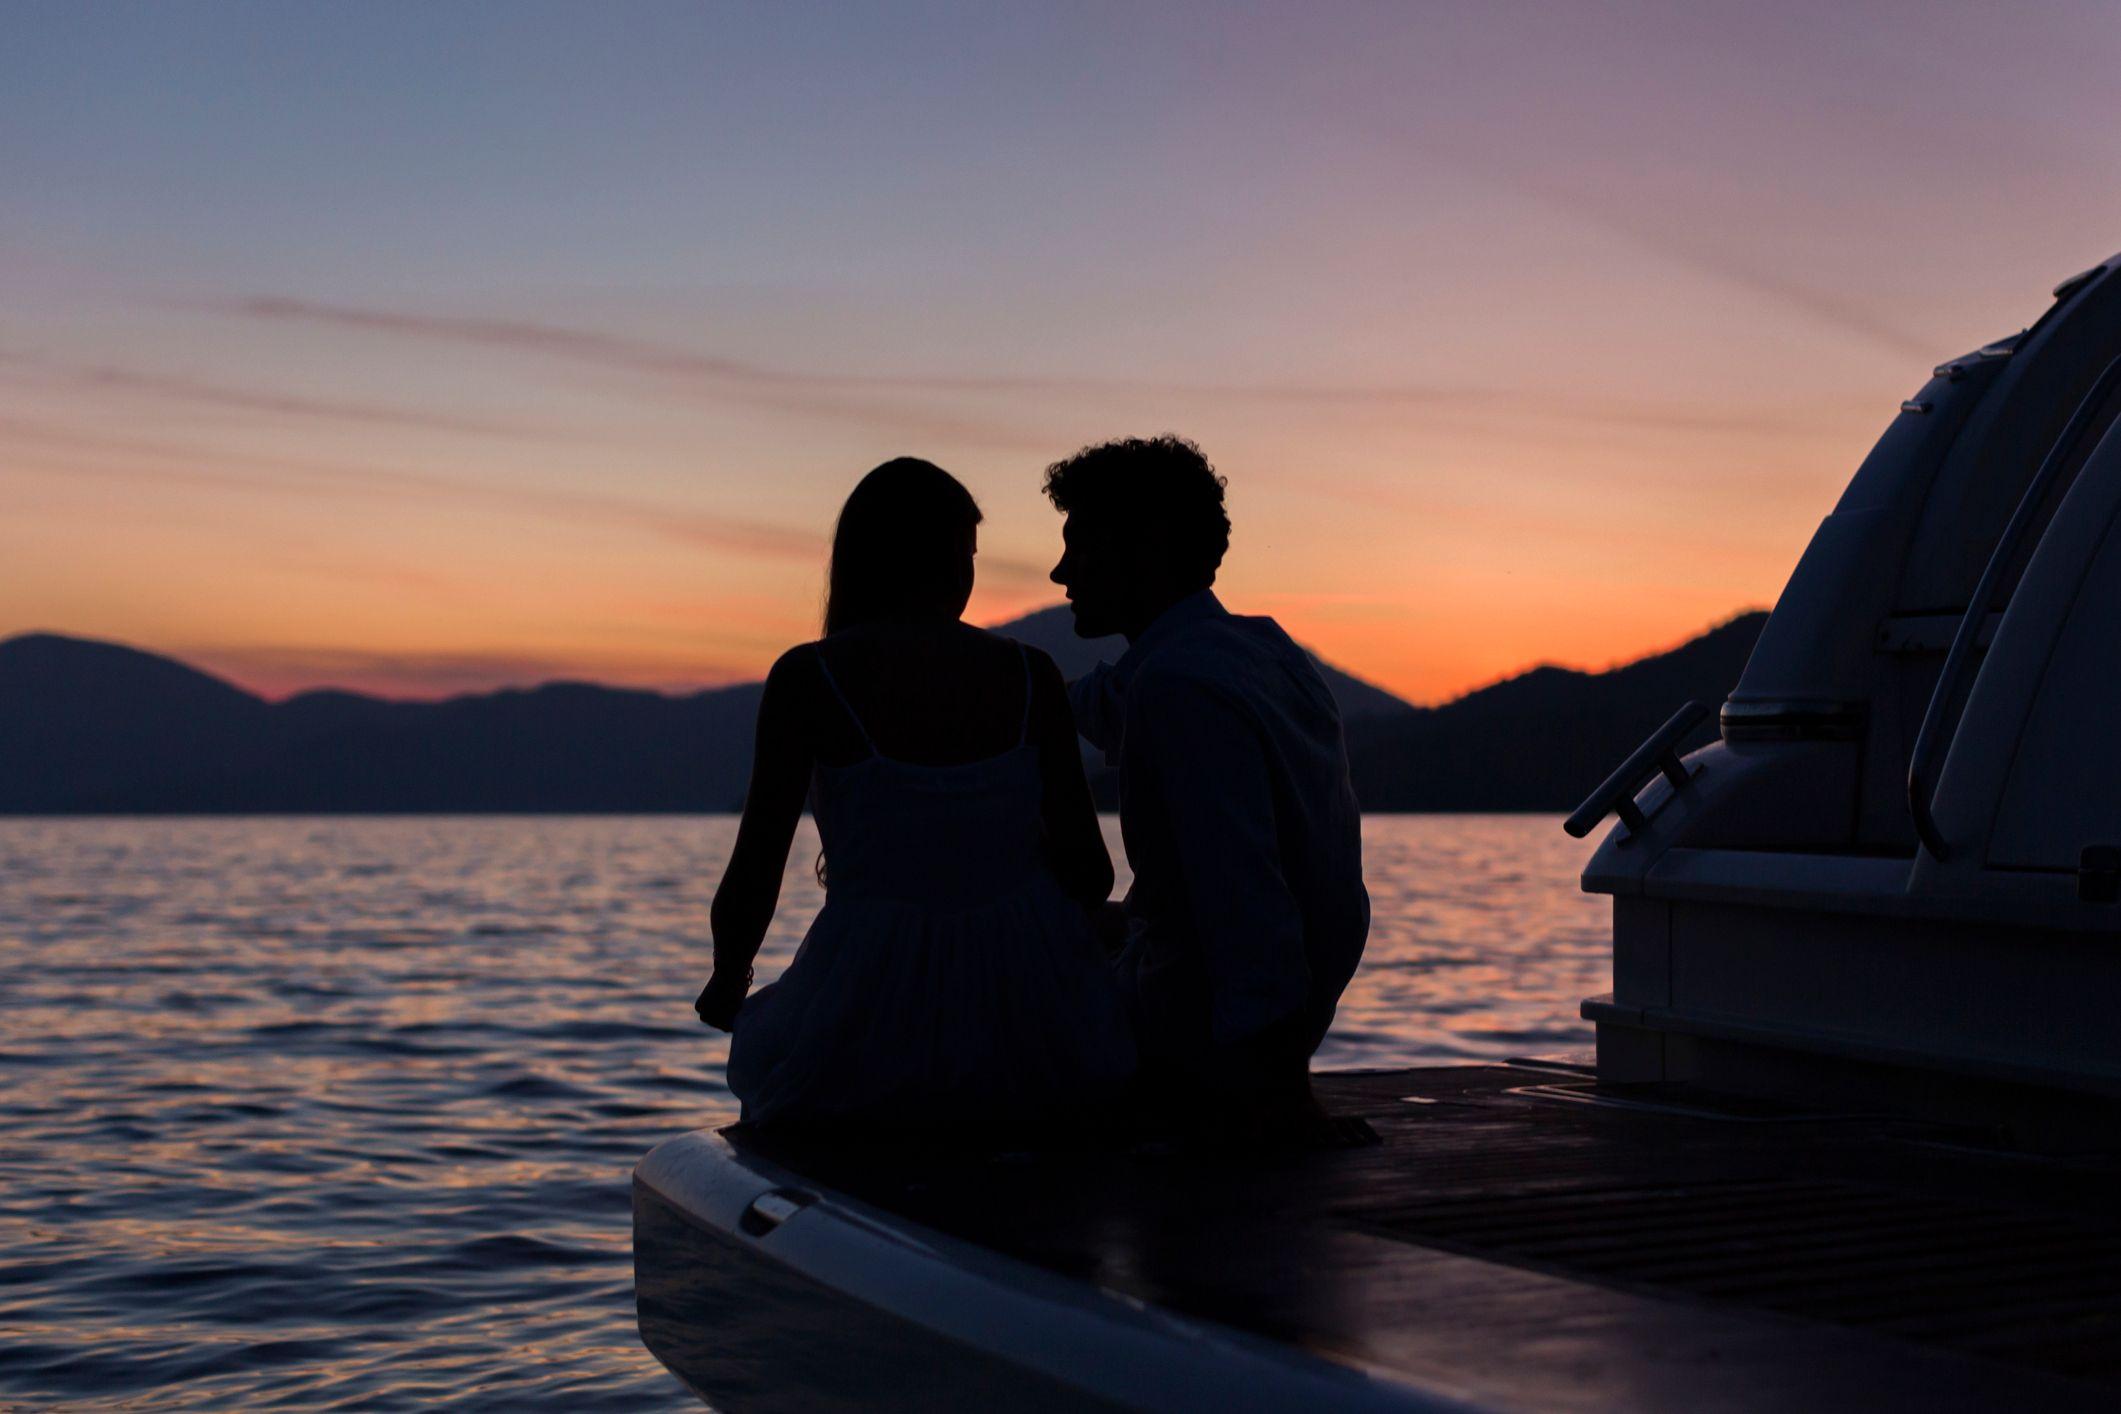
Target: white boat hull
(763, 1292)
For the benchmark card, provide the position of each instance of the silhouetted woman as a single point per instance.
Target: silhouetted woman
(951, 977)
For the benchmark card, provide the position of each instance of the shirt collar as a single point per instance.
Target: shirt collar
(1192, 609)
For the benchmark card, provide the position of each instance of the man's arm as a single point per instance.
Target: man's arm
(1209, 766)
(1095, 702)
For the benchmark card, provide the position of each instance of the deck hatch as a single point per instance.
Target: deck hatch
(2038, 1289)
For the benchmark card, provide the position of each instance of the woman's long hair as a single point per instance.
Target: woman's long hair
(902, 547)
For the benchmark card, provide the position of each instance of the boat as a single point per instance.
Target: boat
(1852, 1129)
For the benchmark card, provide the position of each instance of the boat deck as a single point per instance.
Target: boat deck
(1522, 1238)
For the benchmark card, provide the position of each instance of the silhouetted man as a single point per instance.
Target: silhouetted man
(1248, 914)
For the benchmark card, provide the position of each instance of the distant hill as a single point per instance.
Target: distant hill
(84, 722)
(88, 727)
(1544, 739)
(91, 727)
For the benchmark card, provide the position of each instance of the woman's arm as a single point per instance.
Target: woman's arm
(1073, 839)
(781, 760)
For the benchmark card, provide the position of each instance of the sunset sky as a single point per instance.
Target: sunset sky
(423, 348)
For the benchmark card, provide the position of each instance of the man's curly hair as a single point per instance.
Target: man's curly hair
(1158, 487)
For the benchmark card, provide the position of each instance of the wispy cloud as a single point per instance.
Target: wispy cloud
(276, 404)
(856, 395)
(209, 468)
(647, 357)
(91, 454)
(843, 398)
(1831, 308)
(578, 344)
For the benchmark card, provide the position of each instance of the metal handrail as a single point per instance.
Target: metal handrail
(1935, 738)
(1617, 792)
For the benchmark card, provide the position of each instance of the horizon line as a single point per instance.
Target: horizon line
(184, 658)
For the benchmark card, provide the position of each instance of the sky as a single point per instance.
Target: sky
(425, 348)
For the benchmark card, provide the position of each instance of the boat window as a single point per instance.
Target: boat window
(2064, 788)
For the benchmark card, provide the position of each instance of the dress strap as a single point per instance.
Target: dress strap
(846, 706)
(1023, 730)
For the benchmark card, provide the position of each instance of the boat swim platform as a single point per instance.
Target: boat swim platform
(1522, 1238)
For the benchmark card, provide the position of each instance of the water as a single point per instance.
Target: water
(341, 1111)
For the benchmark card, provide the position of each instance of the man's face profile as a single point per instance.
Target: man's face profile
(1093, 569)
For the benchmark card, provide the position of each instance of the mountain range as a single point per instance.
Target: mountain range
(93, 727)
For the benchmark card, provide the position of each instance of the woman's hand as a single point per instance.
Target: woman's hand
(720, 999)
(1108, 924)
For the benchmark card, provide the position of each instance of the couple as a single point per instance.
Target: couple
(967, 972)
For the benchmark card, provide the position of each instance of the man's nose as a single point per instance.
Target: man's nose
(1059, 574)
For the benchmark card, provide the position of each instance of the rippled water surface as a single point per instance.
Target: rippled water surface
(342, 1111)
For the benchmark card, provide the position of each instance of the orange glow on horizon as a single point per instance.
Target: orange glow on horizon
(422, 585)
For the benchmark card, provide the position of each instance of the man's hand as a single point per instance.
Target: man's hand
(720, 999)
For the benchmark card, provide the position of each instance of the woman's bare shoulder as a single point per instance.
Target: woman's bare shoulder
(794, 673)
(1002, 643)
(1043, 667)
